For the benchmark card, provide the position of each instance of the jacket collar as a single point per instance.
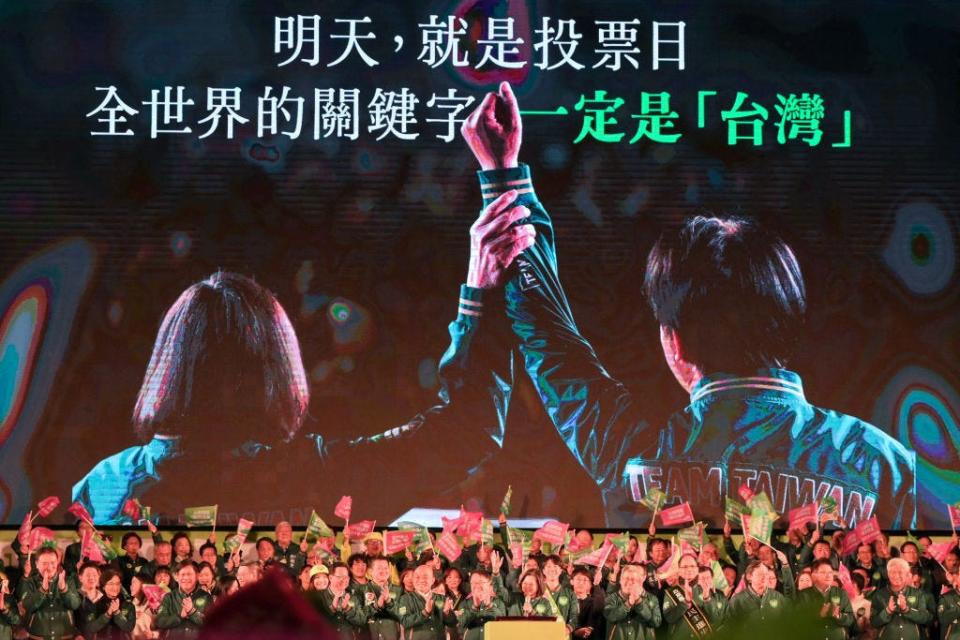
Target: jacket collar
(765, 382)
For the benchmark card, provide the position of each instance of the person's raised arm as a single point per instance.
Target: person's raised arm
(592, 411)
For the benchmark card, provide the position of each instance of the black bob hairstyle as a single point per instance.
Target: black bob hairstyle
(226, 360)
(731, 290)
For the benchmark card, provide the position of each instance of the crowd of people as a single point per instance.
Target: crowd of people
(645, 588)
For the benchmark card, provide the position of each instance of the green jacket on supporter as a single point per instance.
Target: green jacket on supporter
(632, 623)
(9, 617)
(472, 618)
(384, 623)
(417, 624)
(748, 603)
(901, 625)
(170, 623)
(348, 623)
(714, 609)
(363, 592)
(49, 614)
(834, 628)
(566, 603)
(948, 612)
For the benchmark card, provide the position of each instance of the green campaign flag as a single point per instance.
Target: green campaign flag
(654, 499)
(317, 528)
(201, 516)
(734, 509)
(232, 542)
(621, 542)
(505, 503)
(761, 527)
(692, 535)
(486, 532)
(518, 536)
(760, 504)
(421, 540)
(719, 579)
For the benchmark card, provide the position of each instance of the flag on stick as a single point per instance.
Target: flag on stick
(954, 511)
(449, 546)
(596, 558)
(654, 499)
(343, 508)
(46, 506)
(802, 516)
(200, 516)
(25, 528)
(734, 509)
(505, 503)
(677, 515)
(553, 532)
(357, 530)
(397, 541)
(80, 512)
(317, 528)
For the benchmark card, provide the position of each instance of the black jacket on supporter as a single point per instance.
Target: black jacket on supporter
(591, 613)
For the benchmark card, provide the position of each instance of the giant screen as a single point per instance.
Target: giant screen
(240, 262)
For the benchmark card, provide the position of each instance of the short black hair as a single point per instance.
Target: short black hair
(859, 579)
(226, 353)
(108, 574)
(187, 564)
(816, 564)
(129, 535)
(752, 567)
(731, 290)
(580, 571)
(89, 564)
(357, 557)
(181, 535)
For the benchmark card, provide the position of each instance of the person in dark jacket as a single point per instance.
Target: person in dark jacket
(590, 600)
(9, 612)
(113, 616)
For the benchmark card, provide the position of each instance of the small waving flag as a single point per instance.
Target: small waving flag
(25, 528)
(449, 546)
(397, 541)
(553, 532)
(343, 508)
(677, 515)
(505, 503)
(358, 530)
(77, 509)
(46, 506)
(653, 499)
